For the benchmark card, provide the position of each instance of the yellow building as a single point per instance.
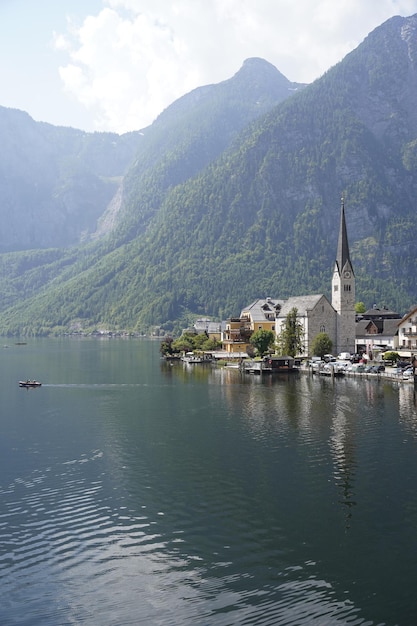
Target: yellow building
(260, 315)
(236, 335)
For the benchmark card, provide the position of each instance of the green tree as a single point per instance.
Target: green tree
(185, 343)
(262, 340)
(360, 308)
(391, 356)
(290, 339)
(321, 345)
(211, 344)
(166, 346)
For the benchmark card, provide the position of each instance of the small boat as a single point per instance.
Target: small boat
(192, 358)
(29, 383)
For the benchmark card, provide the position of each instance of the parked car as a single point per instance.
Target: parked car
(356, 367)
(379, 368)
(374, 369)
(403, 364)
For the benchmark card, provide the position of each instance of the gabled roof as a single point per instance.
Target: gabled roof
(205, 324)
(302, 304)
(260, 309)
(411, 312)
(386, 328)
(383, 313)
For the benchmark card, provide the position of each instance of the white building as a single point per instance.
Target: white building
(314, 313)
(407, 334)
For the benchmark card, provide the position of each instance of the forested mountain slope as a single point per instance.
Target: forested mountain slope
(262, 217)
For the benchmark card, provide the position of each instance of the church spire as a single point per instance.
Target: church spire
(343, 246)
(343, 292)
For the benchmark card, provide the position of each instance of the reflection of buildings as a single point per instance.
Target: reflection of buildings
(407, 401)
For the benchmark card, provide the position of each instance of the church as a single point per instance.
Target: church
(314, 312)
(317, 314)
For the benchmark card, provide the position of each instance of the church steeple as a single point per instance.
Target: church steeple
(343, 256)
(343, 291)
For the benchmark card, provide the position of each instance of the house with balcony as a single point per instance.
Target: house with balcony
(259, 315)
(236, 334)
(407, 334)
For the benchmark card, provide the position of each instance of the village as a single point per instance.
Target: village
(369, 336)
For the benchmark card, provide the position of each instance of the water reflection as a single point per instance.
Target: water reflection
(155, 494)
(408, 408)
(343, 449)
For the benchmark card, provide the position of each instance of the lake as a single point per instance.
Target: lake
(137, 492)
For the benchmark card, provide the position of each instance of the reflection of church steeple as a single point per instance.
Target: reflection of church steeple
(343, 451)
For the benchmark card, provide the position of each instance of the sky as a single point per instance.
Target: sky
(114, 65)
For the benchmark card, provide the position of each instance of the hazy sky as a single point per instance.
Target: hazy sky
(114, 65)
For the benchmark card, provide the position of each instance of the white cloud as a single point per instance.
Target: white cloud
(135, 57)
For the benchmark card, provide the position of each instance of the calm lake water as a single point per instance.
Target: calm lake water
(135, 492)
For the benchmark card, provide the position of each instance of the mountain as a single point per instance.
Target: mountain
(54, 181)
(226, 201)
(193, 132)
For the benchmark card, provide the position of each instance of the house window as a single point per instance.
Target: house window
(346, 287)
(336, 288)
(322, 328)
